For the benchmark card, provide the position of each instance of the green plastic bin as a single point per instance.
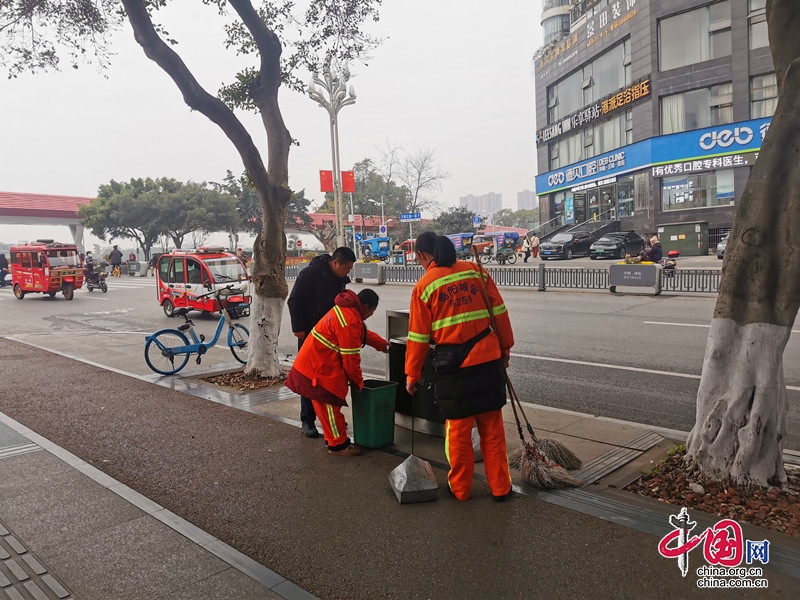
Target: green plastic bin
(373, 413)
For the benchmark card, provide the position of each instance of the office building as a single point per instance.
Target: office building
(485, 204)
(652, 112)
(527, 200)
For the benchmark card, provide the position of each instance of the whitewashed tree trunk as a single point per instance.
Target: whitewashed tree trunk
(265, 326)
(741, 402)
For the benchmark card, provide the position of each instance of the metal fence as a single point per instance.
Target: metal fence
(703, 281)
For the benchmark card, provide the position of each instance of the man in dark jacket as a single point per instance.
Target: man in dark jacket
(4, 269)
(312, 296)
(654, 253)
(115, 258)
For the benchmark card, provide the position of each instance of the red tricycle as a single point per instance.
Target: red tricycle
(46, 267)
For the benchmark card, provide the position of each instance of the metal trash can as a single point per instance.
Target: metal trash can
(373, 413)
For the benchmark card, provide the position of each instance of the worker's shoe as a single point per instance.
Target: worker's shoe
(504, 497)
(309, 430)
(351, 450)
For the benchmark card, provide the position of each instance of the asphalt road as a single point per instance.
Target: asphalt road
(630, 357)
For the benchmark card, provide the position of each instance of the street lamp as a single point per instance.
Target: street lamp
(334, 83)
(383, 220)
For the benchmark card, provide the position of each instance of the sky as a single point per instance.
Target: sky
(454, 76)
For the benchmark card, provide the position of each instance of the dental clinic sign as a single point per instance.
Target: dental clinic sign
(711, 148)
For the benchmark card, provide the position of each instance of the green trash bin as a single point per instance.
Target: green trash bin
(373, 413)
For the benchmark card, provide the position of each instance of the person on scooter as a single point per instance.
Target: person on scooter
(88, 265)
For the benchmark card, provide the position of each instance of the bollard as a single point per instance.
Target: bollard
(541, 277)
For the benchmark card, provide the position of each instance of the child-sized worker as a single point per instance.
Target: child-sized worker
(330, 359)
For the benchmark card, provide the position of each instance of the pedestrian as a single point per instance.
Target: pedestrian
(115, 258)
(153, 264)
(331, 359)
(535, 246)
(312, 296)
(4, 269)
(467, 377)
(526, 248)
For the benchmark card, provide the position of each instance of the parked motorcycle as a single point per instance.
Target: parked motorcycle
(96, 278)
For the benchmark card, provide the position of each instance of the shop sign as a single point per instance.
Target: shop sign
(586, 116)
(706, 164)
(601, 24)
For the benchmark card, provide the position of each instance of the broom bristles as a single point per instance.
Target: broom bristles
(558, 453)
(514, 458)
(542, 473)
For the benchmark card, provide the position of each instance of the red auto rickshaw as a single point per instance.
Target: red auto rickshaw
(184, 275)
(46, 267)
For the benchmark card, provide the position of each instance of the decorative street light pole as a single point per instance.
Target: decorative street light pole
(334, 83)
(383, 218)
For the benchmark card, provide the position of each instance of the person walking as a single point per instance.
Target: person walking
(153, 264)
(4, 269)
(526, 248)
(468, 381)
(331, 359)
(115, 258)
(312, 296)
(535, 246)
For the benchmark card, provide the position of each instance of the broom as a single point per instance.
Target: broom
(536, 466)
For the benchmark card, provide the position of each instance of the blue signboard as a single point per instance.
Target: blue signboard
(476, 221)
(358, 237)
(410, 217)
(698, 146)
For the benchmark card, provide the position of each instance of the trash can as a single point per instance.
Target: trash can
(373, 413)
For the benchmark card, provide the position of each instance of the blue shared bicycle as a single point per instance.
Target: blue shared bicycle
(168, 350)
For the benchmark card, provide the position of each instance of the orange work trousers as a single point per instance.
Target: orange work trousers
(334, 427)
(461, 456)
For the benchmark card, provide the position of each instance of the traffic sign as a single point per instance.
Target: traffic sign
(382, 229)
(411, 217)
(358, 237)
(299, 243)
(476, 221)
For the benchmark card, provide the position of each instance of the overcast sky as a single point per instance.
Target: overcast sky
(455, 76)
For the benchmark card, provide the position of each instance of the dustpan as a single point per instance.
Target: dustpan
(413, 479)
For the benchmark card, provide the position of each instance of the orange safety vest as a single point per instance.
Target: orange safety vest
(447, 307)
(331, 355)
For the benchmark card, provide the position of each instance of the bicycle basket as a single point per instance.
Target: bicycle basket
(238, 310)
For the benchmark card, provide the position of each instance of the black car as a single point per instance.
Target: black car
(566, 245)
(616, 245)
(723, 243)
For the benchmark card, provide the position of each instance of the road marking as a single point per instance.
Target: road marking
(690, 325)
(621, 367)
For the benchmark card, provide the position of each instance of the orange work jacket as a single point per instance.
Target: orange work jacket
(331, 355)
(447, 307)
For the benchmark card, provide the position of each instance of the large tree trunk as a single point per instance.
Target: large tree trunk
(269, 251)
(741, 403)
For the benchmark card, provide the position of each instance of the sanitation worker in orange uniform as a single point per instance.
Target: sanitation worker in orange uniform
(448, 309)
(330, 359)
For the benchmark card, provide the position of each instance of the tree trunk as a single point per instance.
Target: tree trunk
(741, 403)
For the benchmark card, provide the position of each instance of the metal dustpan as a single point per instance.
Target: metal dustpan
(413, 479)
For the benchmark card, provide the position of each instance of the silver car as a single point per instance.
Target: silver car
(721, 247)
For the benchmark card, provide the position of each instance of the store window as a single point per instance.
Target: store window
(701, 190)
(758, 24)
(625, 196)
(695, 36)
(763, 96)
(697, 109)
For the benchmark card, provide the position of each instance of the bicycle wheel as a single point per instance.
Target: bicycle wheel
(238, 336)
(158, 351)
(511, 258)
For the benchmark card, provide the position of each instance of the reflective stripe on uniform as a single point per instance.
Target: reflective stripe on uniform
(446, 280)
(499, 310)
(350, 350)
(332, 420)
(325, 342)
(340, 315)
(458, 319)
(422, 338)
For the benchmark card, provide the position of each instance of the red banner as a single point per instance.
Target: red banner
(326, 181)
(348, 181)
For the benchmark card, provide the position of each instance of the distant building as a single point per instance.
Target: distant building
(527, 200)
(487, 203)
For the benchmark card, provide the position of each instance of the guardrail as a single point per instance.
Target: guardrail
(703, 281)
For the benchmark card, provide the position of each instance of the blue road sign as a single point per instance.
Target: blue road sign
(411, 217)
(358, 237)
(476, 221)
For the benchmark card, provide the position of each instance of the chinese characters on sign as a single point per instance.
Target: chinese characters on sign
(601, 165)
(626, 96)
(558, 49)
(705, 164)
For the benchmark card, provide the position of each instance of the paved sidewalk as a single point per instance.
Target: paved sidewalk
(235, 505)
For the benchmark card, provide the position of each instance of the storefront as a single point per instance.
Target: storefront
(700, 169)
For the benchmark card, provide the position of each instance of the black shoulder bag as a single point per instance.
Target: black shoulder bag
(448, 358)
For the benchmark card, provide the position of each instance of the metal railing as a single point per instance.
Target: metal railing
(702, 281)
(548, 227)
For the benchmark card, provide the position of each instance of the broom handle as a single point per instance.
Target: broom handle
(511, 392)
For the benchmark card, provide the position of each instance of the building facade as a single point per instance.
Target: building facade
(652, 111)
(527, 200)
